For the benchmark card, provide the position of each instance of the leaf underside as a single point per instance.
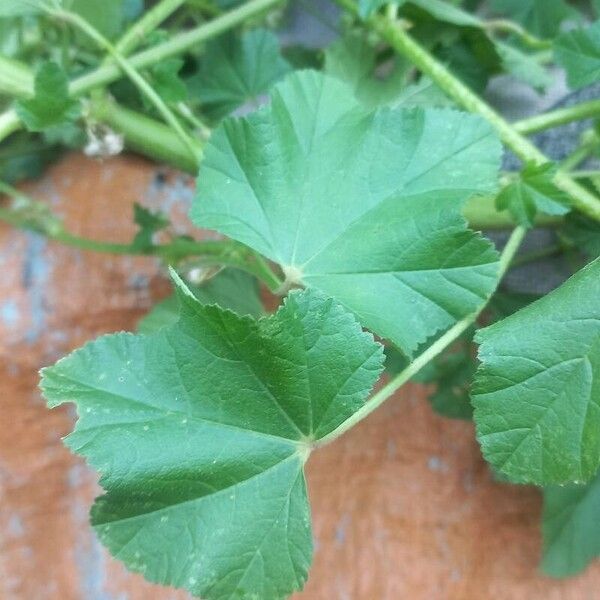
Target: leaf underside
(200, 432)
(537, 391)
(362, 205)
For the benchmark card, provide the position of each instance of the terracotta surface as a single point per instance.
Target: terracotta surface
(403, 505)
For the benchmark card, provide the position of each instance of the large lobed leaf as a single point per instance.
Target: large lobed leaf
(537, 391)
(201, 431)
(363, 205)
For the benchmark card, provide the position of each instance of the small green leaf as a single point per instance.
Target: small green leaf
(523, 66)
(579, 53)
(201, 431)
(367, 7)
(51, 104)
(353, 59)
(231, 288)
(308, 182)
(541, 17)
(571, 527)
(533, 192)
(237, 69)
(537, 391)
(167, 82)
(447, 13)
(584, 233)
(149, 223)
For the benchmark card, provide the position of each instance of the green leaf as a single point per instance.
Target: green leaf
(537, 391)
(201, 431)
(20, 8)
(571, 527)
(231, 288)
(149, 223)
(308, 182)
(523, 66)
(50, 104)
(353, 59)
(167, 82)
(237, 69)
(583, 233)
(367, 7)
(447, 13)
(107, 16)
(541, 17)
(579, 53)
(533, 192)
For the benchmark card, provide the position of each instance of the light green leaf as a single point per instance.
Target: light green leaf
(237, 69)
(149, 223)
(352, 59)
(579, 53)
(571, 527)
(362, 205)
(523, 66)
(367, 7)
(533, 192)
(201, 431)
(167, 82)
(537, 391)
(231, 288)
(20, 8)
(541, 17)
(51, 104)
(447, 13)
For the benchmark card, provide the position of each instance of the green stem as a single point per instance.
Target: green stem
(506, 26)
(404, 44)
(555, 118)
(428, 355)
(178, 44)
(35, 216)
(146, 135)
(109, 73)
(131, 72)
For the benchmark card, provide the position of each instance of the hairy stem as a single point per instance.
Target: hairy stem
(555, 118)
(132, 73)
(428, 355)
(35, 216)
(403, 43)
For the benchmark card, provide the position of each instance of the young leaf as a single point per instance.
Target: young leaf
(167, 82)
(523, 66)
(231, 288)
(571, 527)
(308, 182)
(352, 59)
(579, 53)
(236, 69)
(367, 7)
(533, 192)
(537, 391)
(541, 17)
(201, 431)
(149, 223)
(51, 104)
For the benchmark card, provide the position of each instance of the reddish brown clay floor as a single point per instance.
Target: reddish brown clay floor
(403, 505)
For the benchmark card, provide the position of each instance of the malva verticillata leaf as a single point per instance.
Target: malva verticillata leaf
(532, 193)
(236, 69)
(363, 205)
(571, 527)
(542, 17)
(231, 288)
(201, 432)
(50, 104)
(578, 52)
(537, 392)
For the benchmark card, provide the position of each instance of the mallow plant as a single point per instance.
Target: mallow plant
(352, 182)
